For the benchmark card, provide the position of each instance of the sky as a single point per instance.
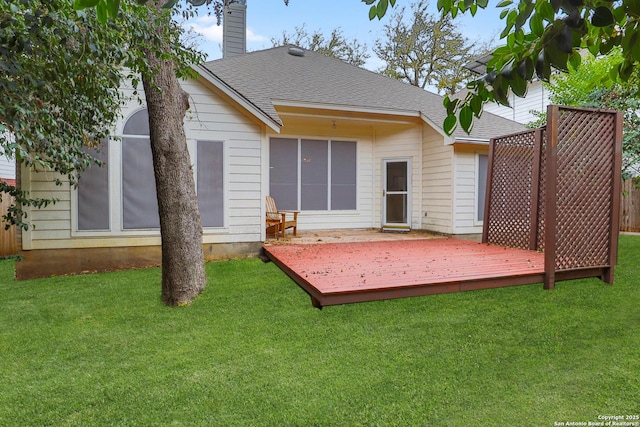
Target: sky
(267, 19)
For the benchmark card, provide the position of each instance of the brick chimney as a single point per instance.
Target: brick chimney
(234, 28)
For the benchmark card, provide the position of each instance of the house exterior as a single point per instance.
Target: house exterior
(7, 169)
(346, 147)
(522, 110)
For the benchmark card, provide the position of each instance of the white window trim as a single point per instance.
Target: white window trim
(329, 209)
(116, 205)
(476, 184)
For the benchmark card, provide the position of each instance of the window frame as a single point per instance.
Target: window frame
(329, 171)
(114, 162)
(477, 209)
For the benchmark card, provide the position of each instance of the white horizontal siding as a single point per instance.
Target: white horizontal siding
(436, 182)
(399, 142)
(7, 167)
(520, 109)
(212, 118)
(209, 118)
(466, 190)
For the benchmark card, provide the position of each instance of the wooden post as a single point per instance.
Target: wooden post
(615, 201)
(551, 147)
(535, 190)
(487, 199)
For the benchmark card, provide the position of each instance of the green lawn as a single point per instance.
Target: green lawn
(101, 349)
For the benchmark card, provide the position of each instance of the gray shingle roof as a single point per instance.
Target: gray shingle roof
(269, 75)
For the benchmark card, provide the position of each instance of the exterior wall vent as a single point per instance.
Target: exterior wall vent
(296, 51)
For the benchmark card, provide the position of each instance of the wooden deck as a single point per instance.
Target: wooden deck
(341, 273)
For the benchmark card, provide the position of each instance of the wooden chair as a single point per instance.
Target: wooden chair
(277, 220)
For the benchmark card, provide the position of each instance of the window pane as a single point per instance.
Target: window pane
(314, 175)
(139, 200)
(138, 124)
(343, 175)
(283, 172)
(396, 208)
(483, 163)
(93, 192)
(397, 176)
(210, 183)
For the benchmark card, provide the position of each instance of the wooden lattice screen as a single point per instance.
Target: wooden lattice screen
(557, 190)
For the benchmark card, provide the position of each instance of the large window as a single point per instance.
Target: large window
(93, 192)
(313, 174)
(210, 182)
(133, 190)
(139, 200)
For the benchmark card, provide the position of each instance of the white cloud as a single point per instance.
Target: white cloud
(210, 41)
(206, 26)
(255, 38)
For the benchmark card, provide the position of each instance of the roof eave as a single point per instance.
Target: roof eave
(343, 107)
(470, 140)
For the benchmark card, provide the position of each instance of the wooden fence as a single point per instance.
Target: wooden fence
(8, 240)
(557, 189)
(630, 206)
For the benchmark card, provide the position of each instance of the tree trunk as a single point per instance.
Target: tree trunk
(183, 275)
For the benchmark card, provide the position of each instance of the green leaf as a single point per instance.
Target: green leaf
(635, 48)
(113, 7)
(466, 118)
(625, 70)
(482, 3)
(373, 13)
(565, 40)
(557, 57)
(449, 124)
(382, 8)
(83, 4)
(101, 11)
(500, 90)
(526, 68)
(476, 105)
(504, 3)
(518, 86)
(574, 60)
(536, 25)
(169, 4)
(602, 17)
(451, 105)
(546, 11)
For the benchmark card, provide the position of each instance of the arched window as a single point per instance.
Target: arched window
(139, 201)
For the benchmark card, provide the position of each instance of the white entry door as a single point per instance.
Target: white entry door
(396, 194)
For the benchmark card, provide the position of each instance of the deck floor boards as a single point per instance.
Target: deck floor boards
(337, 273)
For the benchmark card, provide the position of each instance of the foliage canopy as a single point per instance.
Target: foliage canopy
(63, 70)
(586, 87)
(540, 36)
(425, 50)
(335, 45)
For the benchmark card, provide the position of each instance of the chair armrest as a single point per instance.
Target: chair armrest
(284, 215)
